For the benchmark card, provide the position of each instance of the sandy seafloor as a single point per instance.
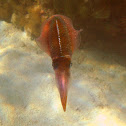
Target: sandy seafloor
(28, 92)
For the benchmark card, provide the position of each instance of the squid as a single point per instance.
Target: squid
(59, 40)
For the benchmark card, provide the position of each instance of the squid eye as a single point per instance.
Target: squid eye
(70, 64)
(55, 65)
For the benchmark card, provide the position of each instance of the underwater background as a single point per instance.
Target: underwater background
(28, 92)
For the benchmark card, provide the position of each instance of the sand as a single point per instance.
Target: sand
(28, 92)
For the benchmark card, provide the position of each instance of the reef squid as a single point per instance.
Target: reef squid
(59, 40)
